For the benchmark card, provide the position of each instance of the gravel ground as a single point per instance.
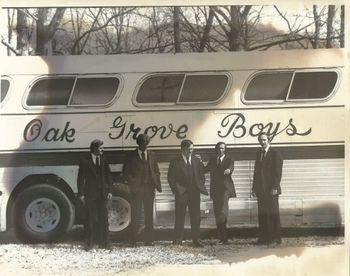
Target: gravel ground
(69, 258)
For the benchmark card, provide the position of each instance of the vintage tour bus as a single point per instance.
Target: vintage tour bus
(53, 107)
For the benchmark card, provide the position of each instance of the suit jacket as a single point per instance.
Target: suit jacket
(267, 172)
(177, 175)
(91, 183)
(217, 178)
(133, 167)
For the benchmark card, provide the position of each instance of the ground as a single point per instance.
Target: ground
(304, 256)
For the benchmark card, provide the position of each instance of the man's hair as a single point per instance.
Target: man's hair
(186, 143)
(265, 133)
(95, 144)
(143, 139)
(217, 146)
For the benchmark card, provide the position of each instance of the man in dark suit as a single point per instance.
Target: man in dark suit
(186, 180)
(221, 187)
(266, 187)
(143, 177)
(94, 190)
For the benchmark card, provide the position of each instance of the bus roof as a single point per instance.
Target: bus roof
(225, 61)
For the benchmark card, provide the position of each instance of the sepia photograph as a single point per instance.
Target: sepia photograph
(174, 137)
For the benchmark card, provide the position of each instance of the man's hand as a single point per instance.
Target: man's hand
(227, 172)
(199, 157)
(253, 194)
(109, 196)
(82, 199)
(274, 192)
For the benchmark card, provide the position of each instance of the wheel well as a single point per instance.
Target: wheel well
(32, 180)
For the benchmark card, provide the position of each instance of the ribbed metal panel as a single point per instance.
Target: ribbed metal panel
(313, 178)
(242, 178)
(166, 194)
(301, 179)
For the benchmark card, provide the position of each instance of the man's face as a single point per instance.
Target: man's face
(187, 151)
(221, 150)
(98, 151)
(264, 141)
(143, 146)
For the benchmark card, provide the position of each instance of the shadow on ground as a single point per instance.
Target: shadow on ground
(77, 234)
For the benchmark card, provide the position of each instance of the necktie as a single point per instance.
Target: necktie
(262, 155)
(97, 163)
(188, 161)
(219, 161)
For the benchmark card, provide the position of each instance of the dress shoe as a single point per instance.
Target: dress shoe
(223, 242)
(276, 242)
(261, 242)
(104, 246)
(132, 244)
(87, 247)
(177, 242)
(149, 243)
(197, 243)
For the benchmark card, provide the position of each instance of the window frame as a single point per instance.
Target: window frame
(287, 100)
(9, 91)
(75, 77)
(186, 74)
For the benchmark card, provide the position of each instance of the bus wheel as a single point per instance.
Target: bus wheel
(42, 213)
(119, 214)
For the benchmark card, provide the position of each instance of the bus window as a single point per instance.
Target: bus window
(160, 89)
(5, 85)
(73, 91)
(50, 92)
(268, 87)
(290, 86)
(205, 88)
(182, 88)
(94, 91)
(312, 85)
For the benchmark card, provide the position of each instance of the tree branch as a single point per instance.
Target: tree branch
(279, 42)
(3, 41)
(216, 10)
(100, 27)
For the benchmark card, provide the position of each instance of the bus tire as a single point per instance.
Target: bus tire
(119, 214)
(42, 213)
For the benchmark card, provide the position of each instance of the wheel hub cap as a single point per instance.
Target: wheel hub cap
(42, 215)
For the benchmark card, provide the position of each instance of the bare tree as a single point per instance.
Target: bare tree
(330, 32)
(231, 20)
(196, 27)
(157, 27)
(21, 28)
(317, 23)
(342, 26)
(155, 33)
(102, 21)
(46, 32)
(177, 25)
(155, 30)
(250, 28)
(24, 30)
(117, 30)
(10, 23)
(205, 37)
(295, 29)
(83, 39)
(78, 22)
